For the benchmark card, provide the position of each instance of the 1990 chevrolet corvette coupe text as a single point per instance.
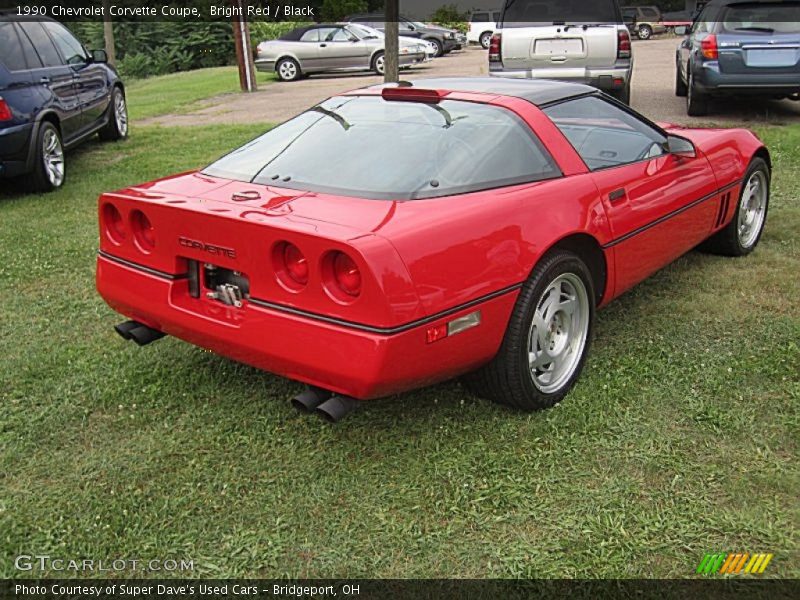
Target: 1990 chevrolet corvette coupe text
(396, 236)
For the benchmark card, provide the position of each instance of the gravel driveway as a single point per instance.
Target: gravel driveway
(653, 93)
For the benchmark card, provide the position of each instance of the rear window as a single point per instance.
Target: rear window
(765, 17)
(521, 13)
(10, 48)
(371, 148)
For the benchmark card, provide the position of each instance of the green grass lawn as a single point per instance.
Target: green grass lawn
(681, 438)
(181, 92)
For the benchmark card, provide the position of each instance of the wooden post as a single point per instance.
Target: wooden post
(108, 33)
(244, 51)
(392, 33)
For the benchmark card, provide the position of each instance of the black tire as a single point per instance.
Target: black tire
(291, 72)
(696, 101)
(117, 126)
(645, 32)
(508, 378)
(41, 179)
(727, 241)
(680, 85)
(376, 63)
(486, 39)
(439, 47)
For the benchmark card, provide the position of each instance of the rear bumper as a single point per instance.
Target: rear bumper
(605, 78)
(15, 143)
(336, 357)
(710, 79)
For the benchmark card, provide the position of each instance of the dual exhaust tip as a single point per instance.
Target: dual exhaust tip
(333, 408)
(141, 334)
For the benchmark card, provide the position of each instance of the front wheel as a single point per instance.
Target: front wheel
(547, 338)
(439, 47)
(379, 63)
(742, 234)
(117, 126)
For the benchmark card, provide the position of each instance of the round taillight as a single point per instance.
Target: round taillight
(113, 224)
(291, 266)
(143, 231)
(295, 263)
(347, 274)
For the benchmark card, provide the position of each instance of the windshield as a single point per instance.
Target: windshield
(521, 13)
(372, 148)
(365, 32)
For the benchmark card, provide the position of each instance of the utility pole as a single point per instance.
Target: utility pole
(108, 33)
(392, 39)
(244, 51)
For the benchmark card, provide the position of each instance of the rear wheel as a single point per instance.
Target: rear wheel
(486, 38)
(624, 94)
(645, 32)
(547, 338)
(742, 234)
(49, 170)
(288, 69)
(680, 85)
(379, 63)
(696, 101)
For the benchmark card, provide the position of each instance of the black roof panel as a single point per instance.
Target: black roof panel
(535, 91)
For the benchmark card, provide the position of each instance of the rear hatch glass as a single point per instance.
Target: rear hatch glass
(521, 13)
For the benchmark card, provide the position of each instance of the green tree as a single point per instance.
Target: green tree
(333, 10)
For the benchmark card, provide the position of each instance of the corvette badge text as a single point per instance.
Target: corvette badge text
(210, 248)
(44, 563)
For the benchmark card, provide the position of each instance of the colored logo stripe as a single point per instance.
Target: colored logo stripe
(734, 563)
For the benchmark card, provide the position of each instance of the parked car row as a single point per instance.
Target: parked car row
(733, 47)
(355, 44)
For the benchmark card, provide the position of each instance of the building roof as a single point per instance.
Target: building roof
(535, 91)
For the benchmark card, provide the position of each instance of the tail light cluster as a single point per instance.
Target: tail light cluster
(340, 275)
(709, 48)
(623, 43)
(496, 48)
(138, 226)
(5, 111)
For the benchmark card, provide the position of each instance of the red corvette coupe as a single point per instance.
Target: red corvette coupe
(396, 236)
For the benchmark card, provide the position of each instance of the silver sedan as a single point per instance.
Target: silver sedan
(332, 47)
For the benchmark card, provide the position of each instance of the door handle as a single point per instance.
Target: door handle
(617, 195)
(45, 80)
(323, 45)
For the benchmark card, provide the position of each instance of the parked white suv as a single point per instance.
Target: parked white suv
(482, 25)
(568, 40)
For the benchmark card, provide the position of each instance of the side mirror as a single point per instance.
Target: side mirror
(99, 56)
(354, 39)
(412, 28)
(681, 147)
(681, 30)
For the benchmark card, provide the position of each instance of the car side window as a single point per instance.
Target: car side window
(312, 35)
(326, 33)
(10, 48)
(496, 17)
(42, 43)
(480, 18)
(605, 135)
(340, 35)
(70, 48)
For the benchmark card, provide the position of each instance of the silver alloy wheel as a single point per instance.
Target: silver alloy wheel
(288, 70)
(121, 113)
(486, 39)
(645, 32)
(380, 64)
(752, 209)
(53, 156)
(558, 333)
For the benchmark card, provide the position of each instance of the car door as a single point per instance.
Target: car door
(94, 91)
(338, 50)
(56, 81)
(659, 205)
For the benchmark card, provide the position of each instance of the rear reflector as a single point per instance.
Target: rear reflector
(438, 332)
(410, 94)
(5, 111)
